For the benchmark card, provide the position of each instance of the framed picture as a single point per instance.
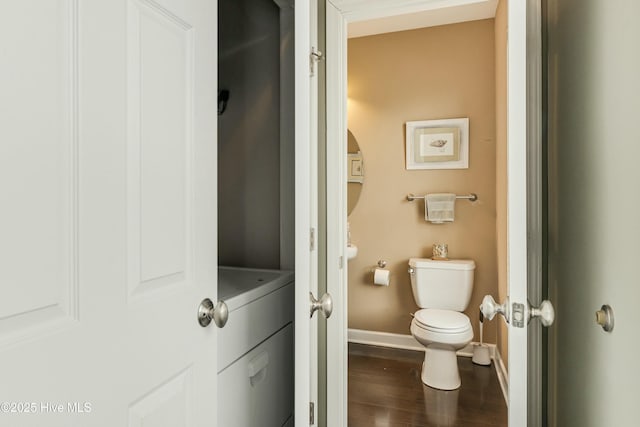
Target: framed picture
(356, 167)
(437, 144)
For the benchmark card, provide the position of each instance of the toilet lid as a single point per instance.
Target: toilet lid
(446, 321)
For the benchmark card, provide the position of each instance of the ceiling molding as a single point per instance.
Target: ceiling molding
(368, 17)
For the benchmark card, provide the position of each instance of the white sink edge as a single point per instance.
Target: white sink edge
(352, 251)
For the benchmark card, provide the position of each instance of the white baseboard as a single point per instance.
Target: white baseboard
(503, 376)
(407, 342)
(384, 339)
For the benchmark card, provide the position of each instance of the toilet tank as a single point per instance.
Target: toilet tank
(446, 285)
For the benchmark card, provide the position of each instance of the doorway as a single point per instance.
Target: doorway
(383, 224)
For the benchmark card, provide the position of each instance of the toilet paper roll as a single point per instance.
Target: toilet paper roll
(381, 277)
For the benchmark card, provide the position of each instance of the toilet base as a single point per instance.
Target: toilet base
(440, 367)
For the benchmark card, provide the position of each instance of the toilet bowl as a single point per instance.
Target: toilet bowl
(442, 290)
(442, 332)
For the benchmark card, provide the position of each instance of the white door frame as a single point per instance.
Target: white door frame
(306, 210)
(337, 325)
(524, 207)
(517, 205)
(339, 14)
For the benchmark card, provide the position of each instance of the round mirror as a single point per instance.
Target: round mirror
(355, 177)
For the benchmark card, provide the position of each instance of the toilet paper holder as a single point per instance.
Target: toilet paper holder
(380, 264)
(381, 276)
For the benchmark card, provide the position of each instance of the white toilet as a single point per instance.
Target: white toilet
(442, 289)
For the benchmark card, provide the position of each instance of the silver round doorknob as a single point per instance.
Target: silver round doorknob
(490, 307)
(545, 313)
(207, 312)
(604, 318)
(324, 304)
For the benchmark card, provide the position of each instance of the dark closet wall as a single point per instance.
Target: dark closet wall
(249, 134)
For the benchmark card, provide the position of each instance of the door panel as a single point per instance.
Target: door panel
(108, 216)
(39, 216)
(160, 67)
(164, 406)
(594, 98)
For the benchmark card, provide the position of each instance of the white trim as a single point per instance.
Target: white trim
(337, 324)
(517, 262)
(384, 339)
(503, 375)
(313, 166)
(363, 10)
(305, 204)
(428, 18)
(403, 342)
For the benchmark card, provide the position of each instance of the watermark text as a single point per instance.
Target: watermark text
(45, 407)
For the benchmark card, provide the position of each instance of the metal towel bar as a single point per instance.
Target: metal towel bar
(472, 197)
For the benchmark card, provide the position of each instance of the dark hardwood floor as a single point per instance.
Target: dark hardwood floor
(385, 390)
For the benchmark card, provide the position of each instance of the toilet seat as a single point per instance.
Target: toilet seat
(442, 321)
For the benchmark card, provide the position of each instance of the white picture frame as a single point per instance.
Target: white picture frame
(355, 168)
(437, 144)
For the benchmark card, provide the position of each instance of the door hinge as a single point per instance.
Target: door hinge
(312, 239)
(312, 413)
(314, 58)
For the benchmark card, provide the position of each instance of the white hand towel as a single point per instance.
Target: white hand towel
(439, 207)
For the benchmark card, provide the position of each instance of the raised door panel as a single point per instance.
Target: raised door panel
(38, 168)
(168, 405)
(160, 76)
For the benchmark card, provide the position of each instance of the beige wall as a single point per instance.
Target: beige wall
(431, 73)
(501, 165)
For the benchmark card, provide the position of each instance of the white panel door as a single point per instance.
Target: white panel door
(108, 212)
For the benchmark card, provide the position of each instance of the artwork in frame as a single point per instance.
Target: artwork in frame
(437, 144)
(356, 168)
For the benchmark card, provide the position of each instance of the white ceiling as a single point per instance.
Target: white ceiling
(472, 11)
